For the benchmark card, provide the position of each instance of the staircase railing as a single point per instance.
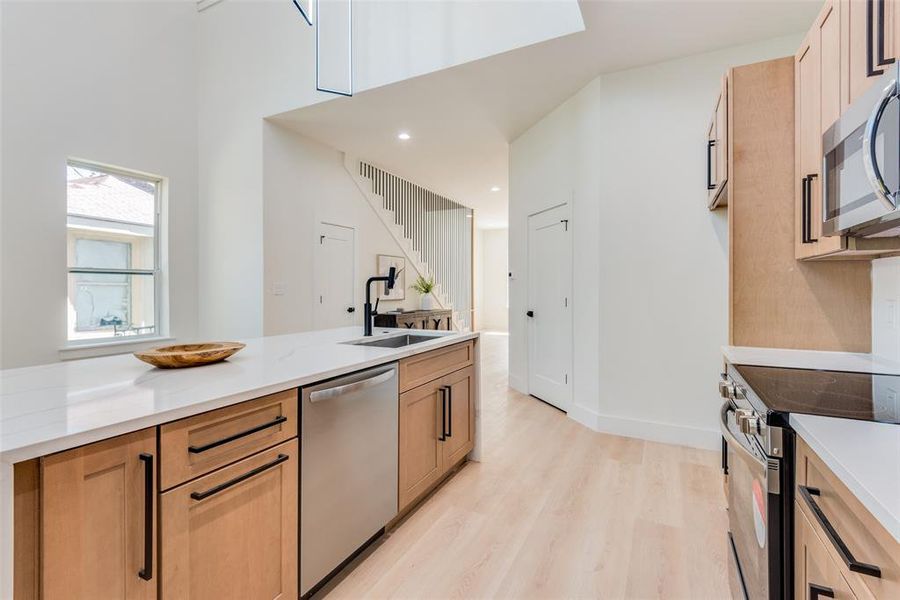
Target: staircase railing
(438, 228)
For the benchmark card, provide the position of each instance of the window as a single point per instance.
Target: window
(112, 222)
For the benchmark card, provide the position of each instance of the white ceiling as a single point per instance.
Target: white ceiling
(461, 119)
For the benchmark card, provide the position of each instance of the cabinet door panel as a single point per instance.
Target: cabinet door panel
(857, 65)
(814, 571)
(421, 457)
(461, 416)
(233, 534)
(93, 520)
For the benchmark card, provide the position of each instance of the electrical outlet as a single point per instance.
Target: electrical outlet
(890, 313)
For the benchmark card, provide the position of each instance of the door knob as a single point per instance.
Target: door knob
(352, 309)
(530, 313)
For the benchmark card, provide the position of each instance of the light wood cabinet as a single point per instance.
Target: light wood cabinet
(421, 458)
(840, 57)
(855, 533)
(815, 574)
(201, 444)
(428, 366)
(817, 90)
(98, 520)
(234, 533)
(718, 151)
(437, 425)
(460, 438)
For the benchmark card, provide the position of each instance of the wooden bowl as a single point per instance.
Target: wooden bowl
(189, 355)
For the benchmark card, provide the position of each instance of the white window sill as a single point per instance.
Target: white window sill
(92, 349)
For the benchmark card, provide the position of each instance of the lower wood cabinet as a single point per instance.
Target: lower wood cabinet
(233, 534)
(437, 431)
(98, 520)
(815, 574)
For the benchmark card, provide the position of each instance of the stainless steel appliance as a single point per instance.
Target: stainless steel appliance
(861, 168)
(757, 458)
(348, 470)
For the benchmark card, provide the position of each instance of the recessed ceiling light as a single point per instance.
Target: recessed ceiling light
(403, 136)
(495, 189)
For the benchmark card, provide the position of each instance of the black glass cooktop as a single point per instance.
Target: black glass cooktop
(861, 396)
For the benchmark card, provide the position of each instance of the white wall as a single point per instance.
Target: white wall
(492, 253)
(103, 81)
(886, 308)
(305, 183)
(650, 262)
(257, 60)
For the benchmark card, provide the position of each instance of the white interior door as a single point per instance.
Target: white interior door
(335, 301)
(549, 308)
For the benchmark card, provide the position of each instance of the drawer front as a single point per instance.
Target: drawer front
(865, 539)
(232, 534)
(198, 445)
(422, 368)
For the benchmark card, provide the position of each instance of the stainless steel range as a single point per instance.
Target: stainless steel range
(757, 458)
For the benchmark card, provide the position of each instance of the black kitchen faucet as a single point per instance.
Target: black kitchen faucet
(389, 280)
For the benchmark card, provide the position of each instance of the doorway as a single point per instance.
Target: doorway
(335, 299)
(549, 311)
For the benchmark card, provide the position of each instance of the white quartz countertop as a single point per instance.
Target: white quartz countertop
(48, 408)
(810, 359)
(866, 458)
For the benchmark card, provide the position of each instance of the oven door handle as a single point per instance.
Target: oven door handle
(870, 160)
(732, 439)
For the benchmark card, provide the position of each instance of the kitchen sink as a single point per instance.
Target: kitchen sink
(397, 341)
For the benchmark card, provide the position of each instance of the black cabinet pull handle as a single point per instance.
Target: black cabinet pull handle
(351, 309)
(251, 473)
(198, 449)
(449, 432)
(443, 435)
(709, 182)
(871, 71)
(854, 565)
(809, 212)
(882, 61)
(819, 591)
(147, 572)
(804, 211)
(529, 313)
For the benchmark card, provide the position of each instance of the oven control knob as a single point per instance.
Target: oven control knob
(726, 389)
(747, 421)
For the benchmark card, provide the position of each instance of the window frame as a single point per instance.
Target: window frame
(157, 272)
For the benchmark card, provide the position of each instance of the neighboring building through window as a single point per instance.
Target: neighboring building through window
(112, 220)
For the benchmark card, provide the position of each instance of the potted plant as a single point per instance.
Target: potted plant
(425, 287)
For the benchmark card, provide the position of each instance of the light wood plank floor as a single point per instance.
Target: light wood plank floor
(555, 510)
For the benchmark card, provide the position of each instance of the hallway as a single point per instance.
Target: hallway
(556, 510)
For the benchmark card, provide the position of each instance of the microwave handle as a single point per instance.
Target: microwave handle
(870, 160)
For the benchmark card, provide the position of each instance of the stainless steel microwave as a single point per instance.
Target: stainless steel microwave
(861, 164)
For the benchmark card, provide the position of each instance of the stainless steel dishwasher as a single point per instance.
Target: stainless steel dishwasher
(348, 468)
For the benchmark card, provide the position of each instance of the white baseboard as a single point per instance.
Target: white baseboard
(518, 383)
(693, 437)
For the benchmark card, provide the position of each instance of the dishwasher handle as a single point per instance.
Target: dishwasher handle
(340, 390)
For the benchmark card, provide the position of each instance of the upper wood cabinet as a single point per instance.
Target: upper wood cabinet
(98, 520)
(841, 56)
(817, 105)
(718, 151)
